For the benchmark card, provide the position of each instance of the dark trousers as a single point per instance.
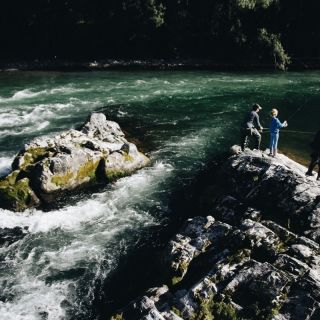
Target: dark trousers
(315, 160)
(246, 134)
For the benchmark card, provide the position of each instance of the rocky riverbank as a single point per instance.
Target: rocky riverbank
(151, 64)
(96, 153)
(256, 256)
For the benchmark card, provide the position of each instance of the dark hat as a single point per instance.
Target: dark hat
(256, 107)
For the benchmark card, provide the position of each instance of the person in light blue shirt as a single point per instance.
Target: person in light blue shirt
(275, 125)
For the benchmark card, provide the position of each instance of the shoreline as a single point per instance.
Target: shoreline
(66, 65)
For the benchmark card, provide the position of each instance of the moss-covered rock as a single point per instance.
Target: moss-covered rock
(49, 165)
(122, 163)
(29, 157)
(210, 309)
(17, 194)
(85, 174)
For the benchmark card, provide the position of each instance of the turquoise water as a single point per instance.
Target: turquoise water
(182, 119)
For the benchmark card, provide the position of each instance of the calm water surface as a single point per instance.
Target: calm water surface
(182, 118)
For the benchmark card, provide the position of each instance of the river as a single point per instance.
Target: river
(182, 120)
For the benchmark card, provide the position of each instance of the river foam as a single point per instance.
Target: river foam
(72, 238)
(31, 93)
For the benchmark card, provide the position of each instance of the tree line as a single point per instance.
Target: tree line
(271, 32)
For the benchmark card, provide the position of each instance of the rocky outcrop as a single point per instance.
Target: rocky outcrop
(96, 153)
(257, 256)
(278, 186)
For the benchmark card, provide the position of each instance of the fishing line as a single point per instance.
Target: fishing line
(291, 116)
(299, 109)
(292, 131)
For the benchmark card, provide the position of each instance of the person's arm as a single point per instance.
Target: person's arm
(281, 125)
(258, 121)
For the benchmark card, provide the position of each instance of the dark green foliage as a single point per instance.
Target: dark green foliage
(274, 48)
(256, 31)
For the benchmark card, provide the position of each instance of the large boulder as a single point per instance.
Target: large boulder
(97, 152)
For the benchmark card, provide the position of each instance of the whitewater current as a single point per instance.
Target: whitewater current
(182, 119)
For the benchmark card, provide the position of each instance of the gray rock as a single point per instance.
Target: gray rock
(95, 153)
(278, 185)
(100, 128)
(199, 234)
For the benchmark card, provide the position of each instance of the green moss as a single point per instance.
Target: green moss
(224, 311)
(209, 309)
(62, 180)
(88, 170)
(175, 280)
(27, 159)
(281, 247)
(127, 157)
(15, 194)
(113, 174)
(177, 311)
(32, 156)
(205, 311)
(37, 152)
(12, 177)
(117, 317)
(183, 267)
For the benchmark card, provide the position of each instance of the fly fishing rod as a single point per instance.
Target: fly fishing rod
(290, 117)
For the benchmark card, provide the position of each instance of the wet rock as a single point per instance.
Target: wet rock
(98, 127)
(302, 251)
(9, 236)
(97, 152)
(199, 234)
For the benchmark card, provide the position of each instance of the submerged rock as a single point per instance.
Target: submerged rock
(97, 152)
(9, 236)
(256, 257)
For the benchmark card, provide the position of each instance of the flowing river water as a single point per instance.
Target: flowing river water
(182, 120)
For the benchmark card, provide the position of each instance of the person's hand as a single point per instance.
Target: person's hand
(285, 123)
(261, 129)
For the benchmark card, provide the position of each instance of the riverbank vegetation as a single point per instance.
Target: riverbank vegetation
(262, 32)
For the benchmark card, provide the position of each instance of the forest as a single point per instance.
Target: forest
(264, 32)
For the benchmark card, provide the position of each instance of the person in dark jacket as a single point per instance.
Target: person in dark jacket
(315, 155)
(251, 127)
